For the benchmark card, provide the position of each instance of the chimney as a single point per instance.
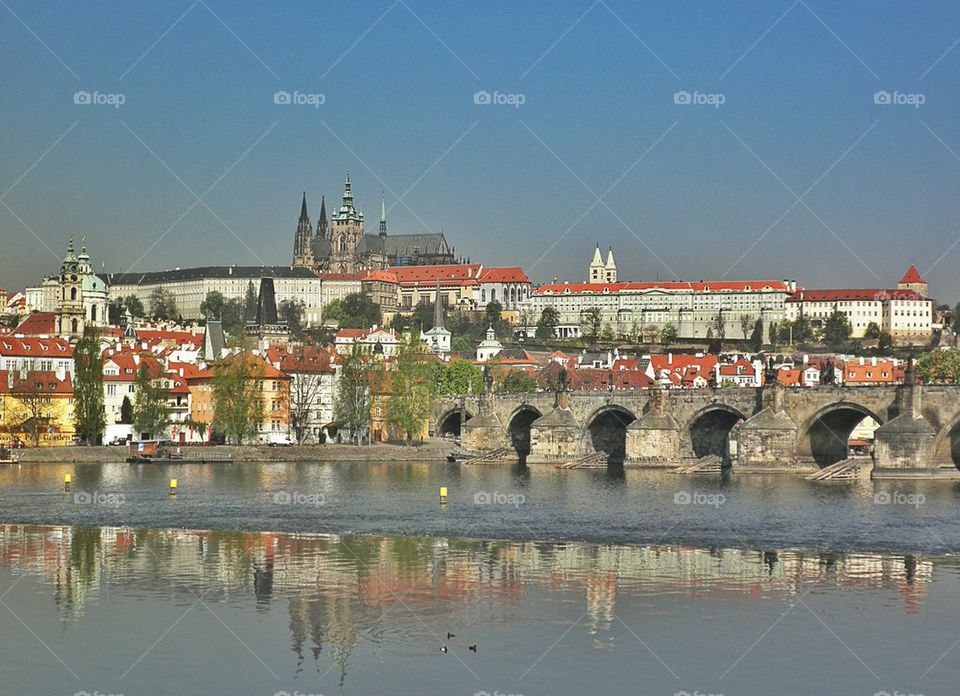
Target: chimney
(136, 359)
(61, 373)
(669, 358)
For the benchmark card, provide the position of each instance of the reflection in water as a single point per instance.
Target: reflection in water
(340, 590)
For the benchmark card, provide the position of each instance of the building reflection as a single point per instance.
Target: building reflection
(341, 590)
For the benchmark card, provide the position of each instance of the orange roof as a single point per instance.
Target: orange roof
(717, 286)
(459, 273)
(307, 358)
(341, 276)
(854, 295)
(46, 380)
(507, 274)
(38, 323)
(269, 371)
(381, 276)
(912, 276)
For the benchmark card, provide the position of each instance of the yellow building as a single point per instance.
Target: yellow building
(36, 408)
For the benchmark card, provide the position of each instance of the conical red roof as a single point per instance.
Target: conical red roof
(912, 276)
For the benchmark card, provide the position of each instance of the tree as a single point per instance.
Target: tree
(668, 335)
(291, 311)
(872, 331)
(333, 312)
(212, 306)
(30, 413)
(746, 324)
(88, 411)
(773, 333)
(232, 317)
(756, 338)
(939, 367)
(126, 411)
(461, 377)
(351, 404)
(884, 342)
(649, 333)
(591, 321)
(411, 391)
(163, 305)
(956, 323)
(249, 303)
(547, 323)
(358, 312)
(133, 305)
(150, 412)
(236, 396)
(719, 326)
(422, 318)
(836, 331)
(516, 382)
(494, 311)
(304, 393)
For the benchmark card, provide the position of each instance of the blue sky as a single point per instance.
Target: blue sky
(598, 151)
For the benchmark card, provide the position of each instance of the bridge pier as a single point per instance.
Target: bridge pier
(767, 441)
(483, 432)
(654, 438)
(904, 446)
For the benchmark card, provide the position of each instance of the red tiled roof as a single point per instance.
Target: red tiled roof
(33, 347)
(381, 276)
(912, 276)
(854, 295)
(718, 286)
(506, 274)
(310, 359)
(341, 276)
(448, 274)
(38, 323)
(48, 381)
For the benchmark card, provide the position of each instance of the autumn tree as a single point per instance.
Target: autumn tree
(150, 413)
(236, 396)
(88, 411)
(351, 405)
(411, 390)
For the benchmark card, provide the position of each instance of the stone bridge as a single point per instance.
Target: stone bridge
(766, 428)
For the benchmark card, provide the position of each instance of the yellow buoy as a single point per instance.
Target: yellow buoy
(173, 486)
(443, 494)
(67, 480)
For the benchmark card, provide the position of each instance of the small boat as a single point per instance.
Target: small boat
(163, 452)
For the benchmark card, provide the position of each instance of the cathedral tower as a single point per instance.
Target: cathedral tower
(70, 314)
(303, 239)
(346, 234)
(597, 271)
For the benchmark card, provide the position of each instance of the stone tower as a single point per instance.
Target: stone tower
(610, 268)
(346, 233)
(303, 239)
(912, 280)
(322, 231)
(70, 312)
(597, 272)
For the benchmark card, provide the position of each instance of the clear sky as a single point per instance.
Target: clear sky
(780, 165)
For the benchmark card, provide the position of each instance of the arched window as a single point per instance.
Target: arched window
(483, 295)
(73, 293)
(493, 294)
(74, 325)
(93, 313)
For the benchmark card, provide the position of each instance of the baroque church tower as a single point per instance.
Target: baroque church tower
(69, 315)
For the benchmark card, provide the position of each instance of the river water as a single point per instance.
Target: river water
(346, 579)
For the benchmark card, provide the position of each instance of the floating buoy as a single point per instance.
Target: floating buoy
(173, 486)
(443, 649)
(443, 494)
(67, 480)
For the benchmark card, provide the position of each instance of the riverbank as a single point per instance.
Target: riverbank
(433, 450)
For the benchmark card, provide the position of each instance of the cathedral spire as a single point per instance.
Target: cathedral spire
(322, 220)
(383, 216)
(303, 207)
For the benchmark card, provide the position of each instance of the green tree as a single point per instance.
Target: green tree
(607, 334)
(884, 342)
(422, 317)
(133, 305)
(333, 312)
(719, 326)
(150, 412)
(411, 390)
(126, 411)
(547, 323)
(872, 331)
(493, 311)
(249, 303)
(668, 335)
(756, 338)
(351, 403)
(836, 331)
(88, 410)
(461, 377)
(163, 305)
(939, 367)
(955, 325)
(232, 318)
(461, 344)
(291, 312)
(236, 396)
(746, 324)
(515, 382)
(358, 312)
(591, 321)
(212, 306)
(772, 333)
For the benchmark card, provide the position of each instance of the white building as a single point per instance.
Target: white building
(489, 347)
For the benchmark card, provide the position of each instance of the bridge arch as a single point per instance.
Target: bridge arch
(946, 445)
(518, 428)
(451, 422)
(824, 437)
(606, 431)
(709, 430)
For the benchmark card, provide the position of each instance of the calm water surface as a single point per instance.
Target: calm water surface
(643, 583)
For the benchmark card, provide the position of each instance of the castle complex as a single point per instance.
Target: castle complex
(341, 245)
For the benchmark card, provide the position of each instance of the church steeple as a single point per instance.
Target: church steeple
(596, 271)
(437, 308)
(383, 217)
(303, 239)
(322, 220)
(303, 207)
(347, 209)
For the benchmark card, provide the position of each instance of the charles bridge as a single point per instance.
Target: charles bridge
(770, 428)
